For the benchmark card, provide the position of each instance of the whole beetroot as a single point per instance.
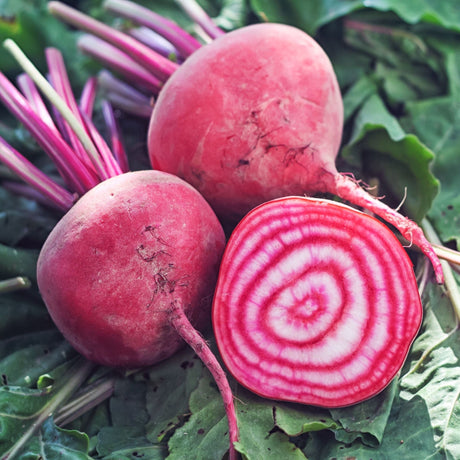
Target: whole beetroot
(129, 272)
(129, 251)
(257, 114)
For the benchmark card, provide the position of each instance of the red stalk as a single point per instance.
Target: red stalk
(58, 195)
(124, 96)
(119, 61)
(200, 17)
(183, 41)
(349, 190)
(112, 168)
(31, 93)
(60, 82)
(71, 140)
(192, 337)
(88, 95)
(76, 176)
(114, 130)
(155, 41)
(157, 64)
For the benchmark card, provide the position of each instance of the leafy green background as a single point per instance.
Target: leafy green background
(398, 64)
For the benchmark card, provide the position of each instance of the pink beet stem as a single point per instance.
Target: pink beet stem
(182, 40)
(61, 84)
(87, 97)
(119, 61)
(189, 334)
(32, 94)
(118, 149)
(199, 15)
(152, 61)
(155, 41)
(34, 177)
(124, 96)
(349, 190)
(70, 167)
(112, 168)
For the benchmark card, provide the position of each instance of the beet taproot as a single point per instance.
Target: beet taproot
(110, 269)
(257, 114)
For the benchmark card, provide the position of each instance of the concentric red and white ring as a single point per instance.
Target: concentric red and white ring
(316, 303)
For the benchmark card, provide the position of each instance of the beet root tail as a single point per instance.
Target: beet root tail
(349, 190)
(194, 339)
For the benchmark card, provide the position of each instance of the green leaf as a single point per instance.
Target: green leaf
(311, 14)
(296, 420)
(366, 421)
(408, 436)
(305, 14)
(437, 123)
(17, 407)
(405, 66)
(18, 261)
(128, 419)
(434, 372)
(25, 366)
(17, 227)
(24, 410)
(445, 13)
(205, 435)
(54, 443)
(399, 160)
(17, 22)
(232, 15)
(23, 221)
(136, 453)
(22, 312)
(148, 406)
(169, 386)
(357, 95)
(258, 436)
(449, 47)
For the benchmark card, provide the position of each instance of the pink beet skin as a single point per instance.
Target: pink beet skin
(242, 116)
(256, 115)
(127, 251)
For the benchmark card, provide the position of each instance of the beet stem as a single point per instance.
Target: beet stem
(33, 176)
(118, 149)
(73, 379)
(182, 40)
(58, 102)
(199, 15)
(155, 41)
(88, 95)
(70, 167)
(152, 61)
(347, 189)
(111, 166)
(31, 93)
(191, 336)
(453, 291)
(14, 284)
(124, 96)
(119, 61)
(61, 84)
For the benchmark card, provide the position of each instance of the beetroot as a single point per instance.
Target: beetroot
(128, 273)
(113, 265)
(255, 115)
(316, 303)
